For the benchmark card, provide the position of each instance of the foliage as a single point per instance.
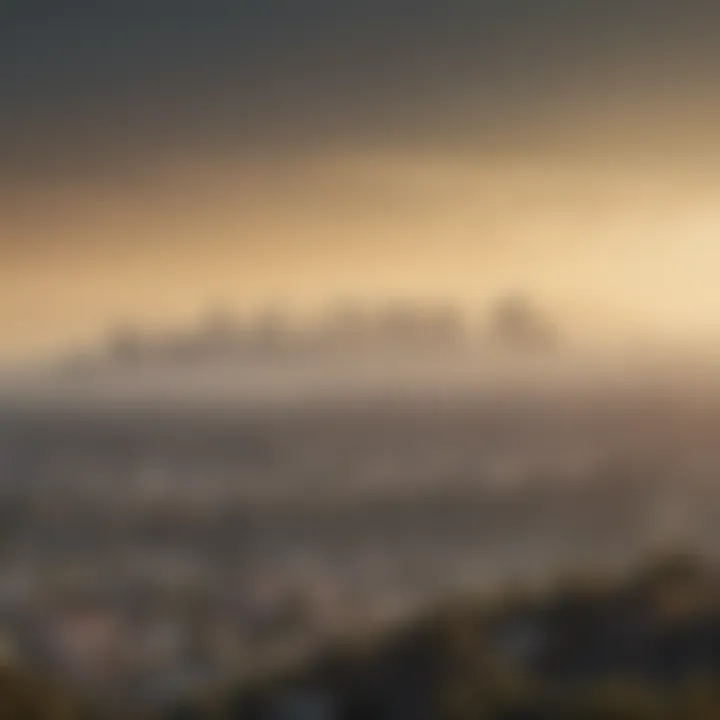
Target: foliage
(645, 648)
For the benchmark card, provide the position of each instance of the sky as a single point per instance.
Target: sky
(161, 158)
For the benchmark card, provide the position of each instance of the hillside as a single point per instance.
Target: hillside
(646, 646)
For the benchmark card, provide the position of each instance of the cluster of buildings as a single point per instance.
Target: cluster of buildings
(512, 322)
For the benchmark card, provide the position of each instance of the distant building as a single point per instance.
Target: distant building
(516, 324)
(220, 331)
(410, 323)
(348, 325)
(126, 343)
(270, 332)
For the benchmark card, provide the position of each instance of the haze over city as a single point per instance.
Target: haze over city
(162, 161)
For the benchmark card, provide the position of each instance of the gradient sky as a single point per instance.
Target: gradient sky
(158, 158)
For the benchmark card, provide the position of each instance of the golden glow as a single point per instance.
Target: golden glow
(611, 247)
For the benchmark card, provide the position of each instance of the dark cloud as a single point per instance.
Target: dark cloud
(93, 83)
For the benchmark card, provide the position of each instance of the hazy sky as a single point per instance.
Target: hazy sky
(159, 157)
